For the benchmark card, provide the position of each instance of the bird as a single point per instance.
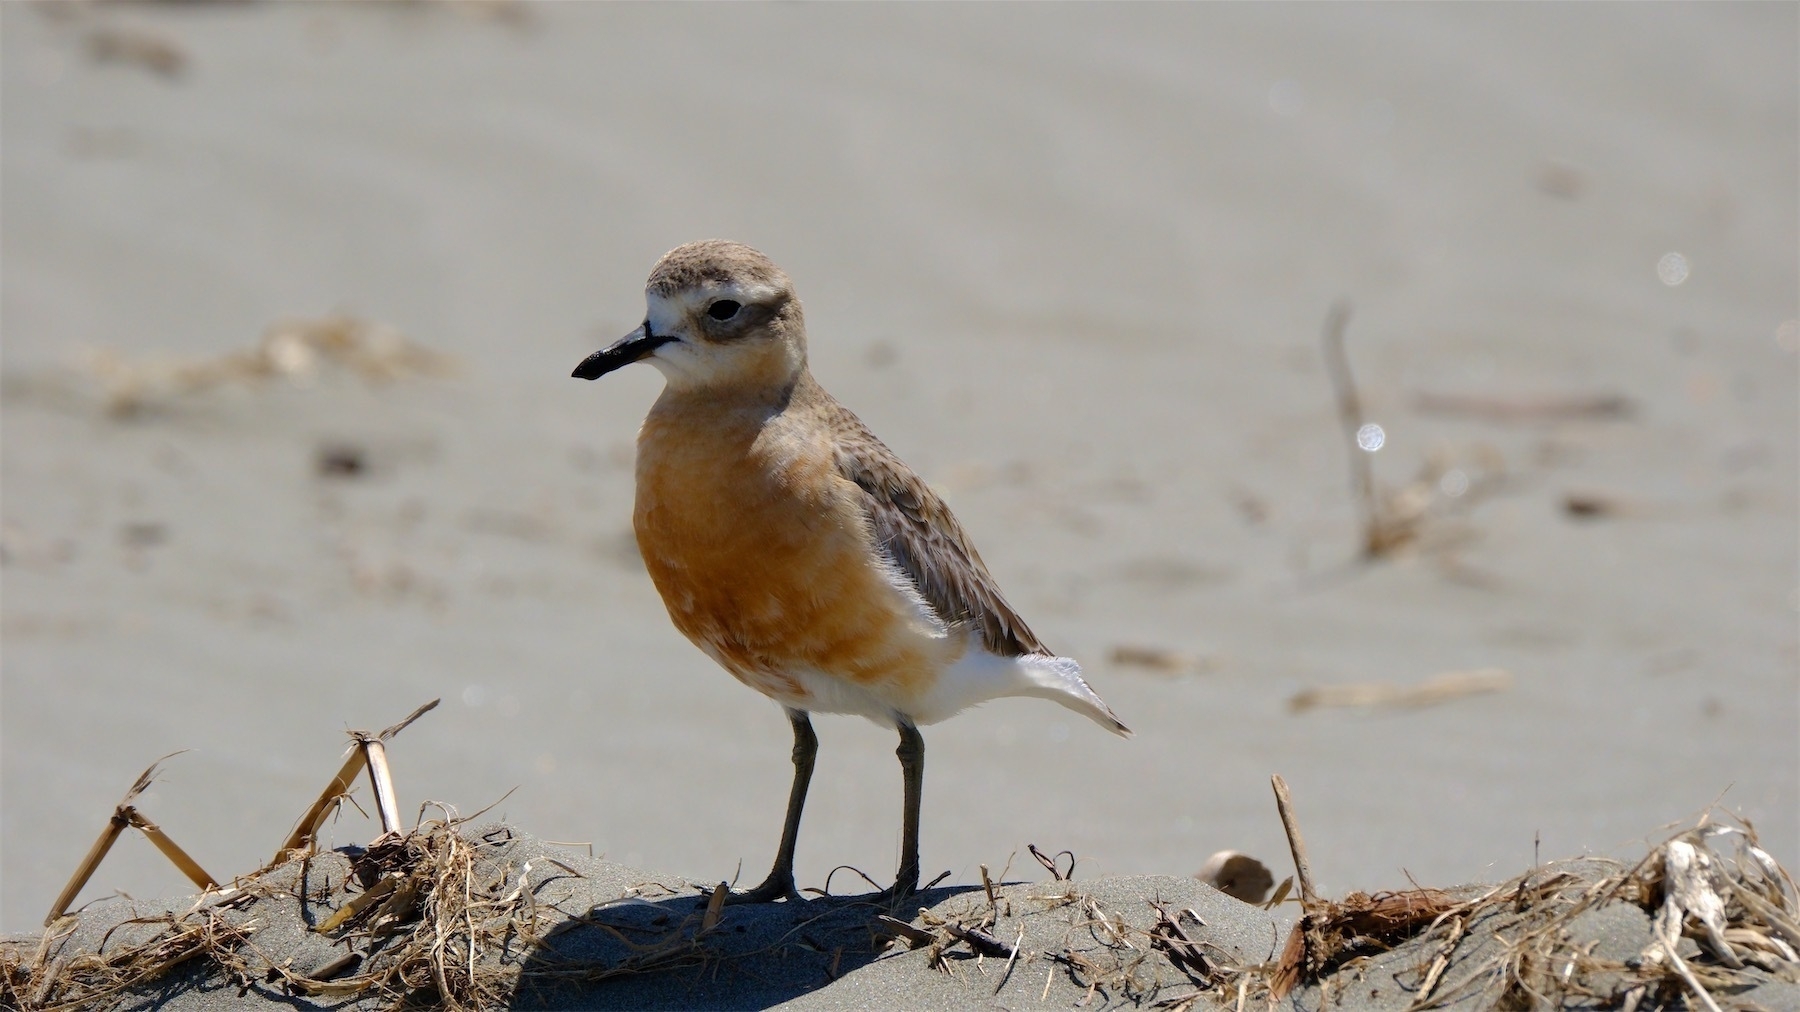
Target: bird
(796, 550)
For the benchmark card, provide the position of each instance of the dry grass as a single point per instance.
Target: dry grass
(441, 917)
(96, 981)
(1400, 519)
(431, 921)
(1739, 904)
(1514, 946)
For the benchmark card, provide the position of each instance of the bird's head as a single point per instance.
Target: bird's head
(719, 315)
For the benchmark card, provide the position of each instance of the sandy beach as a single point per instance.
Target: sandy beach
(1072, 263)
(467, 916)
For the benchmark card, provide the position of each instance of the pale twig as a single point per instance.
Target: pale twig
(1350, 416)
(1013, 957)
(381, 779)
(1440, 962)
(715, 907)
(1687, 976)
(358, 904)
(1284, 803)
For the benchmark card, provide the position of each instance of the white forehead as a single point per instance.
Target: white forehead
(666, 312)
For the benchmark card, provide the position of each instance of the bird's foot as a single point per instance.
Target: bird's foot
(906, 884)
(778, 886)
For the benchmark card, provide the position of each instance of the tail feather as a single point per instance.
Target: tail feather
(1059, 679)
(980, 676)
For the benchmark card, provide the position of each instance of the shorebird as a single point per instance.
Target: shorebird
(796, 550)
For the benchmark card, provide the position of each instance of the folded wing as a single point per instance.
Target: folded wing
(915, 530)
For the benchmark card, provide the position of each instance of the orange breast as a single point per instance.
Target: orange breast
(762, 554)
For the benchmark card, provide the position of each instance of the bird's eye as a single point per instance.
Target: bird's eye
(724, 309)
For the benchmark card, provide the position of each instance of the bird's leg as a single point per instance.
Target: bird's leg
(912, 772)
(780, 883)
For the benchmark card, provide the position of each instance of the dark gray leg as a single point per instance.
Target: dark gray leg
(912, 773)
(780, 883)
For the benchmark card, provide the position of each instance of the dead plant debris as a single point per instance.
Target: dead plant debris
(1526, 408)
(1595, 505)
(1432, 691)
(1522, 950)
(125, 815)
(448, 916)
(1157, 660)
(138, 47)
(1394, 519)
(294, 350)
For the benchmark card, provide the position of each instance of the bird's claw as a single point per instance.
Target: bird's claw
(775, 887)
(904, 886)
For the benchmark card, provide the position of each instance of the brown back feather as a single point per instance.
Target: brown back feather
(915, 529)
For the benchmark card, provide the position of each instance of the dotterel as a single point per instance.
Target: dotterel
(795, 549)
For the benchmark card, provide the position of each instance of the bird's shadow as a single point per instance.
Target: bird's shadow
(660, 954)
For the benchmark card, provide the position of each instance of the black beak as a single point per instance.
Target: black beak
(626, 350)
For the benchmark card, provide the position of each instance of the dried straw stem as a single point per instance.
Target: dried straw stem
(382, 780)
(123, 815)
(85, 870)
(171, 850)
(306, 831)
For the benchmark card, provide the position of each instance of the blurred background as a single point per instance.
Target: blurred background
(292, 293)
